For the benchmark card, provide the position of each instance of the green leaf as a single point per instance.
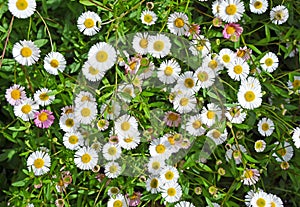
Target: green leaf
(19, 183)
(17, 128)
(267, 31)
(249, 158)
(41, 42)
(254, 49)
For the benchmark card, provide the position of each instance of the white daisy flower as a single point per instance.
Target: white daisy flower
(91, 73)
(26, 109)
(235, 153)
(117, 201)
(15, 95)
(86, 158)
(238, 69)
(43, 97)
(96, 145)
(159, 45)
(216, 8)
(168, 71)
(26, 52)
(126, 92)
(178, 23)
(67, 110)
(148, 17)
(111, 151)
(140, 43)
(73, 140)
(126, 125)
(260, 199)
(187, 83)
(235, 114)
(200, 46)
(217, 135)
(250, 176)
(68, 123)
(111, 110)
(86, 112)
(84, 97)
(226, 56)
(153, 184)
(258, 6)
(211, 114)
(296, 137)
(171, 192)
(54, 62)
(39, 163)
(194, 125)
(214, 205)
(275, 200)
(160, 147)
(212, 61)
(184, 204)
(205, 77)
(283, 152)
(265, 127)
(102, 55)
(249, 94)
(259, 145)
(22, 8)
(102, 124)
(184, 103)
(231, 11)
(169, 174)
(279, 14)
(113, 191)
(88, 23)
(249, 196)
(155, 165)
(269, 62)
(112, 169)
(295, 85)
(131, 141)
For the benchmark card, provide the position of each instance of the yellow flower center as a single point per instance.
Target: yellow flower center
(26, 109)
(216, 134)
(273, 204)
(171, 192)
(248, 174)
(261, 202)
(154, 183)
(296, 84)
(169, 175)
(93, 70)
(226, 58)
(143, 43)
(44, 96)
(73, 139)
(43, 116)
(249, 96)
(173, 117)
(236, 154)
(168, 71)
(54, 63)
(241, 53)
(148, 18)
(279, 15)
(22, 4)
(230, 30)
(269, 62)
(69, 111)
(156, 165)
(197, 124)
(38, 163)
(210, 114)
(85, 98)
(158, 45)
(184, 101)
(171, 140)
(125, 126)
(15, 94)
(160, 148)
(258, 5)
(26, 52)
(118, 203)
(112, 151)
(238, 69)
(132, 65)
(86, 158)
(282, 152)
(85, 112)
(202, 76)
(179, 22)
(113, 169)
(101, 56)
(231, 9)
(89, 23)
(258, 145)
(128, 139)
(213, 64)
(189, 83)
(265, 127)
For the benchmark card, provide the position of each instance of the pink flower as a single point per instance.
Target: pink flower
(232, 31)
(134, 199)
(133, 65)
(172, 119)
(194, 30)
(15, 95)
(43, 119)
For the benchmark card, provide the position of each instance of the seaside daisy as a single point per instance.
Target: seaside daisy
(54, 62)
(126, 125)
(86, 112)
(269, 62)
(283, 152)
(184, 204)
(212, 62)
(131, 141)
(244, 53)
(102, 55)
(193, 30)
(153, 184)
(235, 152)
(86, 158)
(148, 17)
(126, 92)
(200, 46)
(43, 119)
(44, 97)
(265, 126)
(112, 169)
(275, 200)
(250, 176)
(238, 69)
(15, 95)
(217, 135)
(84, 97)
(92, 73)
(172, 119)
(171, 191)
(216, 8)
(155, 165)
(295, 84)
(296, 137)
(235, 114)
(39, 163)
(22, 8)
(73, 140)
(110, 110)
(232, 31)
(258, 6)
(184, 103)
(205, 77)
(187, 83)
(194, 125)
(231, 11)
(102, 124)
(68, 123)
(67, 110)
(159, 45)
(160, 147)
(117, 201)
(168, 71)
(211, 114)
(89, 23)
(26, 52)
(111, 151)
(140, 43)
(259, 145)
(279, 14)
(249, 94)
(226, 56)
(169, 174)
(260, 199)
(178, 23)
(26, 109)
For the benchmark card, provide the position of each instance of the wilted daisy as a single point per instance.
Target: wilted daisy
(88, 23)
(211, 114)
(73, 140)
(126, 125)
(153, 184)
(265, 127)
(258, 6)
(140, 43)
(26, 109)
(225, 56)
(187, 83)
(112, 169)
(168, 71)
(217, 135)
(155, 165)
(184, 204)
(296, 137)
(295, 85)
(22, 8)
(44, 97)
(102, 55)
(250, 176)
(54, 62)
(200, 46)
(275, 200)
(279, 14)
(259, 145)
(148, 17)
(134, 199)
(86, 112)
(111, 151)
(171, 192)
(169, 174)
(194, 31)
(269, 62)
(231, 10)
(39, 162)
(205, 77)
(260, 199)
(26, 52)
(15, 95)
(91, 73)
(194, 125)
(249, 94)
(238, 69)
(235, 114)
(86, 158)
(160, 147)
(117, 201)
(43, 119)
(184, 103)
(236, 153)
(178, 23)
(172, 119)
(283, 152)
(159, 45)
